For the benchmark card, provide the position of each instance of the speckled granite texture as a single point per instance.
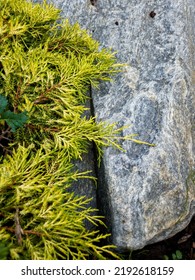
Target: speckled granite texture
(145, 193)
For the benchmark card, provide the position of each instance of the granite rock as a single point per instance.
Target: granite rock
(146, 193)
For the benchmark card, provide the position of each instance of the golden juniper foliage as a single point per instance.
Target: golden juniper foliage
(48, 220)
(46, 68)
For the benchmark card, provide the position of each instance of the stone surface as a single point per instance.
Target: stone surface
(145, 193)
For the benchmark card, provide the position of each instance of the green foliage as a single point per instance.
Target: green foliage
(175, 256)
(12, 119)
(46, 69)
(3, 104)
(4, 251)
(41, 219)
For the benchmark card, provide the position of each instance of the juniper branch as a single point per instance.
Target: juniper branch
(25, 232)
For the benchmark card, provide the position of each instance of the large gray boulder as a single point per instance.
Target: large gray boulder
(147, 193)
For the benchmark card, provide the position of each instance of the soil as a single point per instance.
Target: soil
(180, 246)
